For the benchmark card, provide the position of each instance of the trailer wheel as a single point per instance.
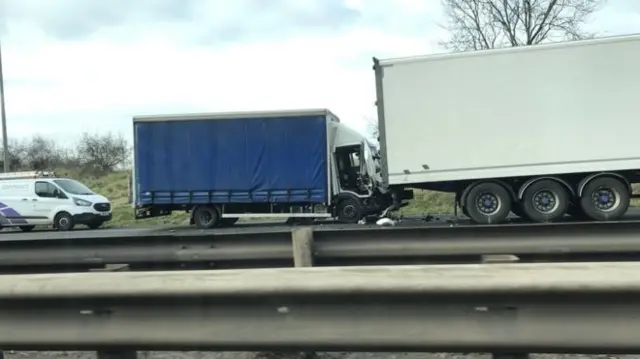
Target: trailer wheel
(206, 217)
(605, 199)
(545, 201)
(488, 203)
(349, 210)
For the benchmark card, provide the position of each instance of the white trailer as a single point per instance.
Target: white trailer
(538, 130)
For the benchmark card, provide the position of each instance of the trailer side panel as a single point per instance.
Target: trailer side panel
(240, 160)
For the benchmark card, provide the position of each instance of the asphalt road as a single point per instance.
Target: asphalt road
(251, 227)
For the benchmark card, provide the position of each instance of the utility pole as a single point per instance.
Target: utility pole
(5, 140)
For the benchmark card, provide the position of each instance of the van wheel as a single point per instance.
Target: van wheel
(206, 217)
(27, 228)
(63, 222)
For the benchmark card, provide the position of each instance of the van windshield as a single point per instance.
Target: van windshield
(73, 187)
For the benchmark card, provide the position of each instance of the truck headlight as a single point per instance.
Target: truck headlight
(81, 202)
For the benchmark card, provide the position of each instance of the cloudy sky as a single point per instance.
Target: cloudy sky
(90, 65)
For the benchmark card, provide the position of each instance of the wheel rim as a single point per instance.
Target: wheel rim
(349, 211)
(206, 218)
(545, 201)
(63, 222)
(605, 199)
(488, 203)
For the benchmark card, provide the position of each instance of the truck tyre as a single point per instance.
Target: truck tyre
(488, 203)
(27, 228)
(545, 201)
(349, 210)
(605, 199)
(206, 217)
(63, 221)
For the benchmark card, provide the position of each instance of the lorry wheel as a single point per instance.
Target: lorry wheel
(605, 199)
(545, 201)
(206, 217)
(349, 210)
(27, 228)
(63, 222)
(488, 203)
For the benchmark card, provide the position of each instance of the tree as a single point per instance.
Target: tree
(16, 155)
(373, 128)
(41, 153)
(488, 24)
(103, 153)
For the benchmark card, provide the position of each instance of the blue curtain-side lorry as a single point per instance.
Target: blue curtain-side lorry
(225, 166)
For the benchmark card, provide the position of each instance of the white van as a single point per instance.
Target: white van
(29, 199)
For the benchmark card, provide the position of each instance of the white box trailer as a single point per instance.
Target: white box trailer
(564, 113)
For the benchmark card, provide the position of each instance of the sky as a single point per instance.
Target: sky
(73, 66)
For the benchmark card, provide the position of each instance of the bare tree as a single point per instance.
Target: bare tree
(372, 127)
(487, 24)
(17, 150)
(103, 153)
(41, 153)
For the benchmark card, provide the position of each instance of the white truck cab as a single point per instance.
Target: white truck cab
(29, 199)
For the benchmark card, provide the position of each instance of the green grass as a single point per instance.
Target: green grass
(114, 186)
(429, 202)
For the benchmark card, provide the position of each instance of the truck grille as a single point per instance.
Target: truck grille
(102, 207)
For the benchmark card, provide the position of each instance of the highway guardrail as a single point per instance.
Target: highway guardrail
(318, 246)
(553, 308)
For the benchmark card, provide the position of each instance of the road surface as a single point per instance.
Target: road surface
(264, 227)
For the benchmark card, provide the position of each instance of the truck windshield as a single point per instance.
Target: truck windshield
(73, 187)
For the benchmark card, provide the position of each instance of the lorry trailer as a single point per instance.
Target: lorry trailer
(277, 164)
(541, 131)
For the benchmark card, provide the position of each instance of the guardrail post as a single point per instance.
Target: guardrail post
(495, 259)
(302, 241)
(114, 354)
